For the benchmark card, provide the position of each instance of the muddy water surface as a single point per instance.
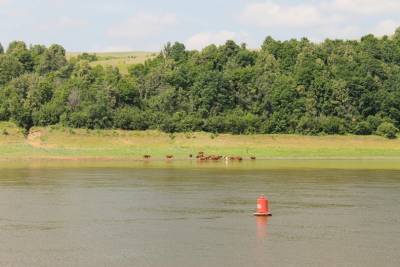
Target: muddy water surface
(194, 216)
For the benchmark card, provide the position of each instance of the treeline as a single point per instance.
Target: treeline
(294, 86)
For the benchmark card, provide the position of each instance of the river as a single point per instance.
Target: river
(195, 216)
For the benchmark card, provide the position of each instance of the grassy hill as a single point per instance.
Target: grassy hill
(122, 60)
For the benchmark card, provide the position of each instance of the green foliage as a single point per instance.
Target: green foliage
(331, 125)
(18, 50)
(128, 118)
(374, 121)
(52, 59)
(238, 122)
(388, 130)
(87, 57)
(363, 128)
(1, 49)
(48, 114)
(10, 68)
(293, 86)
(176, 52)
(308, 125)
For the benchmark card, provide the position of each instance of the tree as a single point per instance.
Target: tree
(36, 52)
(293, 86)
(210, 94)
(177, 51)
(18, 50)
(52, 59)
(1, 49)
(10, 68)
(16, 46)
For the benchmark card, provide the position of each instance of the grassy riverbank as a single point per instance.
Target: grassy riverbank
(72, 144)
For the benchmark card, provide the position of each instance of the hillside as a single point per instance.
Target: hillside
(122, 60)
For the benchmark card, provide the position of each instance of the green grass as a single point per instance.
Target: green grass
(62, 143)
(122, 60)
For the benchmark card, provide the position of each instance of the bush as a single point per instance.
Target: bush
(4, 112)
(239, 122)
(77, 119)
(167, 125)
(184, 122)
(276, 123)
(363, 128)
(23, 118)
(214, 124)
(374, 121)
(387, 130)
(88, 57)
(307, 125)
(331, 125)
(130, 119)
(49, 114)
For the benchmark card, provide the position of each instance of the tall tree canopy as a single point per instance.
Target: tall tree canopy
(293, 86)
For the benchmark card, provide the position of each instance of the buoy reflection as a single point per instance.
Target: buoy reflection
(262, 226)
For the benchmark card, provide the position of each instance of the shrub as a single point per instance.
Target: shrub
(307, 125)
(214, 124)
(4, 113)
(167, 125)
(276, 123)
(331, 125)
(78, 119)
(387, 130)
(374, 121)
(130, 119)
(187, 122)
(363, 128)
(49, 114)
(88, 57)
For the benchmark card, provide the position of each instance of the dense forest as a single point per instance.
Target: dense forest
(294, 86)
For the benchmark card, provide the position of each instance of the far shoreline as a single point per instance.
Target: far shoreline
(157, 159)
(117, 147)
(377, 163)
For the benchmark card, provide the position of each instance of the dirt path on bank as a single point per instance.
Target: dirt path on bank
(34, 139)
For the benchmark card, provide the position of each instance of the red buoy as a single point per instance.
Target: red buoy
(262, 207)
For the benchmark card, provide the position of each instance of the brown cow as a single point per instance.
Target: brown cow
(235, 158)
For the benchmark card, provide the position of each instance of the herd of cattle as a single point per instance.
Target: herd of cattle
(201, 156)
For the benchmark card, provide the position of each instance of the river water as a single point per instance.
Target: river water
(194, 216)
